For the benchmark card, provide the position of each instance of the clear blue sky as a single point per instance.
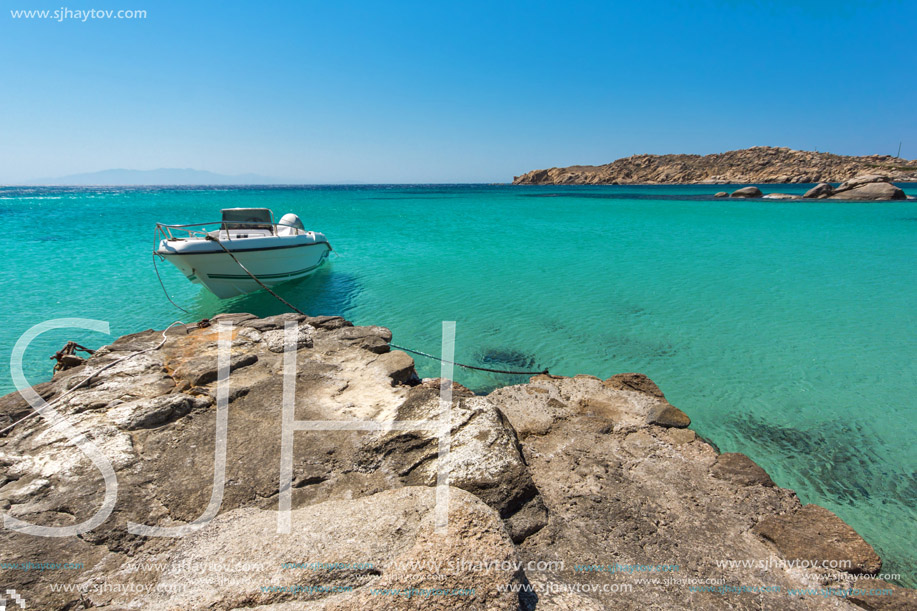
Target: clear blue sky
(447, 92)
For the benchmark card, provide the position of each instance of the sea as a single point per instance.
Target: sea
(787, 330)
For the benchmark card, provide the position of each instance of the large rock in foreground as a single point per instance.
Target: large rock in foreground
(341, 555)
(557, 488)
(629, 500)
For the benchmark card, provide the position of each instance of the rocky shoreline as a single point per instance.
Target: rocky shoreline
(563, 493)
(756, 165)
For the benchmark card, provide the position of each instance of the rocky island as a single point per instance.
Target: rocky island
(757, 165)
(563, 493)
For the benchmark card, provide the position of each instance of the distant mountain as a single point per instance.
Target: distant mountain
(163, 176)
(759, 164)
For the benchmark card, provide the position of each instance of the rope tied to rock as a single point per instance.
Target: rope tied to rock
(255, 278)
(87, 379)
(66, 357)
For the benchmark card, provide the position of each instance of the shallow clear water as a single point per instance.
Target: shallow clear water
(786, 330)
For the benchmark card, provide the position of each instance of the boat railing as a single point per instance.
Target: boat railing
(201, 231)
(184, 232)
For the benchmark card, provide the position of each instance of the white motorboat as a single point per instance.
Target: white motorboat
(247, 243)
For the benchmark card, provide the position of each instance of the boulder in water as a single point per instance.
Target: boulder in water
(747, 192)
(861, 180)
(819, 191)
(874, 191)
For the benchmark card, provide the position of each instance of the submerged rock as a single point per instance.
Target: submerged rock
(493, 357)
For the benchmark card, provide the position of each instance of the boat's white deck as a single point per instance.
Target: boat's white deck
(240, 234)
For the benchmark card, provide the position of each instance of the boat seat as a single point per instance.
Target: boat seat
(240, 234)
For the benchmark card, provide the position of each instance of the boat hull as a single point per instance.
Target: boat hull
(223, 277)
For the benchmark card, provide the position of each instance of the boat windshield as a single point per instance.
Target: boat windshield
(248, 218)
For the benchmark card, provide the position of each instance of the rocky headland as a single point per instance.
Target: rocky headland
(757, 165)
(563, 493)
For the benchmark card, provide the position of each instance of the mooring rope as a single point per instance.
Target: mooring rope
(156, 267)
(255, 278)
(298, 311)
(475, 367)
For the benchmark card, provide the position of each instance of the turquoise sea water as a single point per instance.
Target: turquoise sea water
(786, 330)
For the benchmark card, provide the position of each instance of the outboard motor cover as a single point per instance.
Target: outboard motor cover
(289, 224)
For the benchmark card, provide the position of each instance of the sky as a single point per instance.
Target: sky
(427, 92)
